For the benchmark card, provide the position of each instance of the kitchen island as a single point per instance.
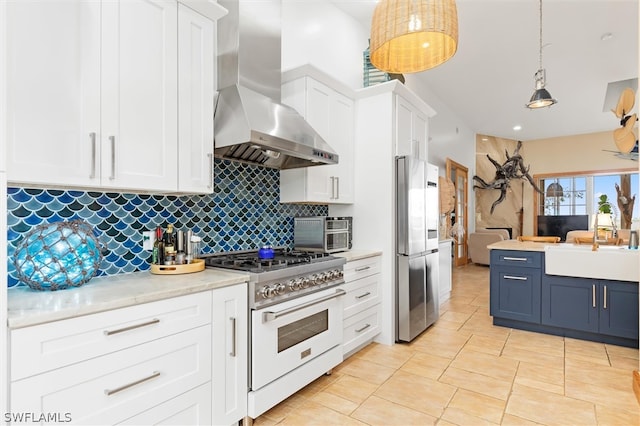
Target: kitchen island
(524, 294)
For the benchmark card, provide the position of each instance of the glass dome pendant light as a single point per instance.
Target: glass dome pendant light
(541, 97)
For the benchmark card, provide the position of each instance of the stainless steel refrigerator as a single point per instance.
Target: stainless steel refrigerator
(416, 247)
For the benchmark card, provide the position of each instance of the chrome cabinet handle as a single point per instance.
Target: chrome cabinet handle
(112, 139)
(517, 259)
(337, 187)
(233, 337)
(269, 315)
(604, 303)
(363, 295)
(128, 385)
(360, 330)
(363, 268)
(131, 327)
(513, 277)
(333, 188)
(593, 295)
(92, 137)
(210, 183)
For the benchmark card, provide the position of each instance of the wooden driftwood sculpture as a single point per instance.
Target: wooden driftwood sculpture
(625, 201)
(513, 168)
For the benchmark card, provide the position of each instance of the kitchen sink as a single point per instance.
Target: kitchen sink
(607, 263)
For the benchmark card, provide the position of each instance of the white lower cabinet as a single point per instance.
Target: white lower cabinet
(119, 385)
(190, 408)
(230, 354)
(444, 249)
(361, 304)
(176, 361)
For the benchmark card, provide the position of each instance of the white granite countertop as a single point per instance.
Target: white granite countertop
(352, 255)
(30, 307)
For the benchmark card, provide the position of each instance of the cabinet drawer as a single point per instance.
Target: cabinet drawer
(53, 345)
(523, 259)
(361, 268)
(360, 328)
(191, 408)
(515, 293)
(361, 294)
(117, 386)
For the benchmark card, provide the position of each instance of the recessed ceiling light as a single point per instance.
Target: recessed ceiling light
(606, 36)
(517, 127)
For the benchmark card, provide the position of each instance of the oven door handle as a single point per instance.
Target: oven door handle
(270, 315)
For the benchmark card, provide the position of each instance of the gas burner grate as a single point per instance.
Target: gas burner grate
(249, 261)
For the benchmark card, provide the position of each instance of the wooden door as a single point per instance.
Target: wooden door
(459, 216)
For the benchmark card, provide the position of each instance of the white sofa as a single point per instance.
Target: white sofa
(480, 239)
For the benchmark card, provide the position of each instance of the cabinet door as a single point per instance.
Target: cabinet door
(318, 113)
(444, 249)
(619, 309)
(139, 94)
(196, 56)
(570, 302)
(515, 293)
(404, 127)
(341, 139)
(53, 92)
(419, 134)
(230, 354)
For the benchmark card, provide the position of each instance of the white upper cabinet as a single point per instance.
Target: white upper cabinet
(196, 86)
(139, 95)
(411, 130)
(94, 91)
(53, 92)
(332, 114)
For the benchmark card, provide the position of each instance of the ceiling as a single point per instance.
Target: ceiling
(491, 76)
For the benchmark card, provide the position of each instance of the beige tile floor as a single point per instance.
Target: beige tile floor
(466, 371)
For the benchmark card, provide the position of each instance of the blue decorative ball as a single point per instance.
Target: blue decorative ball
(58, 255)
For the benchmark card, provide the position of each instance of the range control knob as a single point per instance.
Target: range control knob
(307, 281)
(294, 284)
(280, 288)
(267, 292)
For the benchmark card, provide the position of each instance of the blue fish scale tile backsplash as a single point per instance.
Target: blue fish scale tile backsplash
(243, 213)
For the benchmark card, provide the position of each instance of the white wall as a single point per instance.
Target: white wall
(318, 33)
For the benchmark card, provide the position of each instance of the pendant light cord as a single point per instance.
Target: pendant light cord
(540, 35)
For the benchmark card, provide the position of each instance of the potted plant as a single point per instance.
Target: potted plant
(605, 217)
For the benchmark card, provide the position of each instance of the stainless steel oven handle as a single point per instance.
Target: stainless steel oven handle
(270, 315)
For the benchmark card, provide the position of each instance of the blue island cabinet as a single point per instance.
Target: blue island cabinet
(515, 285)
(606, 307)
(523, 296)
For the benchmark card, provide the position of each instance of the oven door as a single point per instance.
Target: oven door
(287, 335)
(336, 241)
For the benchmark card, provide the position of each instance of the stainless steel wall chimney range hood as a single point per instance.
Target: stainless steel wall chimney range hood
(251, 125)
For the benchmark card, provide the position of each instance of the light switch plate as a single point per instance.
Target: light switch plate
(148, 238)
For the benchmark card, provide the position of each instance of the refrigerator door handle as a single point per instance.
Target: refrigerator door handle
(401, 206)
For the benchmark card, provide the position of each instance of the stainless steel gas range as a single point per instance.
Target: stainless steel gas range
(295, 323)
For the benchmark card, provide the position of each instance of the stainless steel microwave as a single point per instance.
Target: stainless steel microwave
(322, 233)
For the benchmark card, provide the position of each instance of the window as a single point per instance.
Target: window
(578, 195)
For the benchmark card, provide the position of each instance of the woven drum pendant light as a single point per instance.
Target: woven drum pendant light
(413, 35)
